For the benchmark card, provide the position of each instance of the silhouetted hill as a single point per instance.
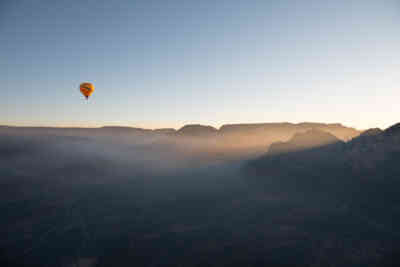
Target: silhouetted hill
(286, 130)
(393, 130)
(359, 178)
(254, 139)
(371, 156)
(301, 141)
(371, 132)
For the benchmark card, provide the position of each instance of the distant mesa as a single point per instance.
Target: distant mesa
(252, 126)
(302, 141)
(197, 130)
(250, 138)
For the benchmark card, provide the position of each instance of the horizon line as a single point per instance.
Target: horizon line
(175, 128)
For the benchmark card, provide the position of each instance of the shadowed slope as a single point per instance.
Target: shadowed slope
(301, 141)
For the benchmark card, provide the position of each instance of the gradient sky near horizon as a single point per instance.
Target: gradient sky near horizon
(167, 63)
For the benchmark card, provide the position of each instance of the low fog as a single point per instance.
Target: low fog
(69, 199)
(278, 196)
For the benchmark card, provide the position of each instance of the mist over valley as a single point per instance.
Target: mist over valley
(283, 195)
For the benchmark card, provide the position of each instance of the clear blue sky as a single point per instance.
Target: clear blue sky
(166, 63)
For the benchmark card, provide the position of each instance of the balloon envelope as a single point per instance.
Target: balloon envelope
(86, 89)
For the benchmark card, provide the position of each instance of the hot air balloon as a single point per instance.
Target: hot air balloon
(86, 89)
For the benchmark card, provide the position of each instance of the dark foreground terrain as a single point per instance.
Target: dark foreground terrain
(79, 200)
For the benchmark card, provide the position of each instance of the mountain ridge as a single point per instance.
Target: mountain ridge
(303, 140)
(371, 155)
